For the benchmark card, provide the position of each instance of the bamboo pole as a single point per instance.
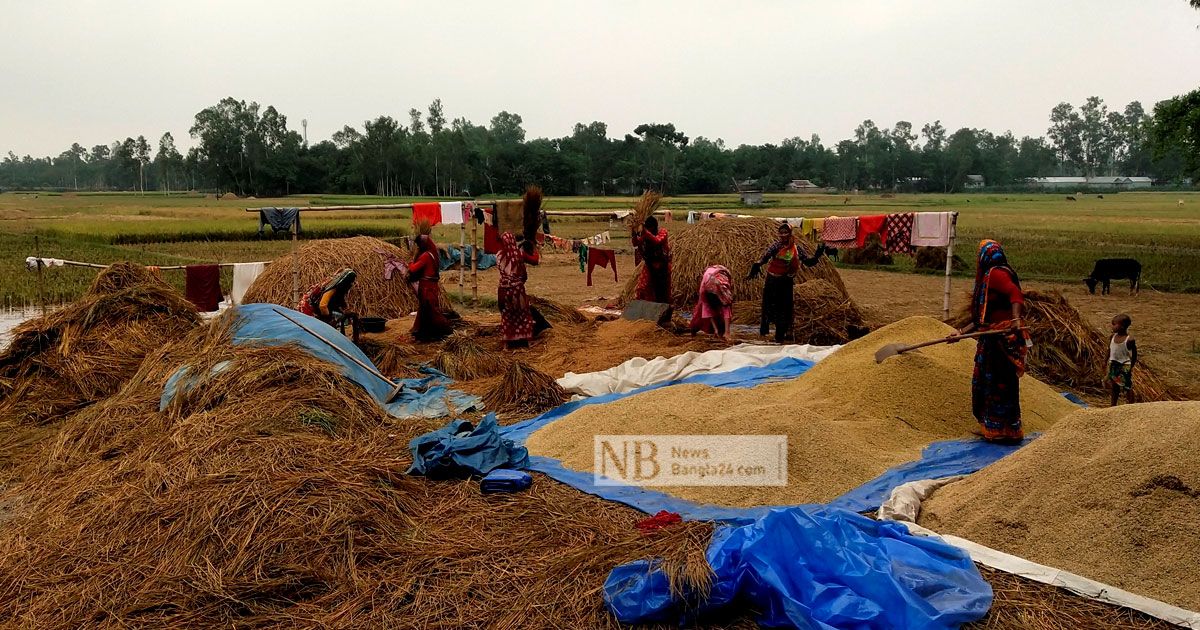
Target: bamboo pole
(295, 263)
(37, 249)
(949, 266)
(378, 206)
(76, 263)
(462, 258)
(474, 262)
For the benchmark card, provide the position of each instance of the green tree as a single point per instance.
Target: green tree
(167, 162)
(1176, 131)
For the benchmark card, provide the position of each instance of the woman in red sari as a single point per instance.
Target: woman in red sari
(423, 273)
(654, 283)
(516, 318)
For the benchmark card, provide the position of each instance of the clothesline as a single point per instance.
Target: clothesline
(31, 263)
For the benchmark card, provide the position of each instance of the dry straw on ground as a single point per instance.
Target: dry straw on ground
(847, 419)
(1067, 351)
(557, 311)
(735, 243)
(463, 358)
(1110, 494)
(523, 389)
(823, 314)
(371, 296)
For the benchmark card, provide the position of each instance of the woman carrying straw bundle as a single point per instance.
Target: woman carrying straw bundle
(783, 260)
(996, 304)
(714, 308)
(654, 283)
(423, 273)
(517, 322)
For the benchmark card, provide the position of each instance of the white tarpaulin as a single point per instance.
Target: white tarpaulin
(904, 506)
(639, 372)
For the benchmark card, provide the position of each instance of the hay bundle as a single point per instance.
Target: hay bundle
(463, 359)
(647, 204)
(735, 243)
(532, 212)
(371, 295)
(872, 253)
(392, 357)
(524, 389)
(557, 311)
(1068, 352)
(934, 259)
(82, 353)
(229, 196)
(824, 316)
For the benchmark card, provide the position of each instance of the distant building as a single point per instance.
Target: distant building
(975, 181)
(750, 192)
(1098, 183)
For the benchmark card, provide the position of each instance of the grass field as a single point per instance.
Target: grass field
(1046, 236)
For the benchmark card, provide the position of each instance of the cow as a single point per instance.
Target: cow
(1109, 269)
(1070, 198)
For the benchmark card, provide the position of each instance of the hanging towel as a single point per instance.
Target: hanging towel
(429, 212)
(583, 256)
(491, 239)
(840, 231)
(451, 212)
(31, 262)
(244, 275)
(931, 229)
(597, 257)
(202, 285)
(899, 232)
(468, 211)
(505, 480)
(797, 223)
(871, 224)
(816, 226)
(280, 219)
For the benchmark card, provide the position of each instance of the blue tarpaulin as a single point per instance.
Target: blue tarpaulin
(452, 255)
(262, 324)
(816, 568)
(461, 449)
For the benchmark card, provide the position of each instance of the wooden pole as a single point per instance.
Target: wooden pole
(949, 266)
(295, 263)
(462, 258)
(474, 262)
(37, 251)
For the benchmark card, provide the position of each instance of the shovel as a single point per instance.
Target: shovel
(396, 387)
(893, 349)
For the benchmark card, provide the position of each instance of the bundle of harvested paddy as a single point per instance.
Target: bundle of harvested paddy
(272, 493)
(872, 253)
(848, 419)
(647, 204)
(557, 311)
(524, 389)
(735, 243)
(1111, 494)
(371, 295)
(532, 209)
(391, 358)
(824, 315)
(463, 358)
(934, 259)
(83, 352)
(1067, 351)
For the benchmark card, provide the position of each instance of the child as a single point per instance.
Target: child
(1122, 355)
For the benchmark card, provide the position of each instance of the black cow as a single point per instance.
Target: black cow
(1109, 269)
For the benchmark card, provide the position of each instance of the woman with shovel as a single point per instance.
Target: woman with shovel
(996, 305)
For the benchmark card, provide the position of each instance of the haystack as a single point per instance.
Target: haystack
(1111, 494)
(83, 352)
(871, 253)
(523, 389)
(824, 315)
(371, 296)
(273, 493)
(229, 196)
(735, 243)
(934, 259)
(462, 358)
(1069, 352)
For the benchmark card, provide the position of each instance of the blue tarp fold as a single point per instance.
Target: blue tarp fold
(452, 255)
(816, 568)
(461, 449)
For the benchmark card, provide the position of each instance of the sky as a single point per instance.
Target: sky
(751, 71)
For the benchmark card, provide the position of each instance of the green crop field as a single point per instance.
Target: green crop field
(1047, 237)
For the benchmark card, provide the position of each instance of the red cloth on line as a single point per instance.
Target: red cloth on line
(491, 239)
(202, 285)
(663, 519)
(430, 212)
(871, 224)
(899, 233)
(597, 257)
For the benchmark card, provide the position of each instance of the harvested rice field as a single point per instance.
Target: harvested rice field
(847, 419)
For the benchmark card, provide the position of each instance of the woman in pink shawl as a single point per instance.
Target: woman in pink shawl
(714, 304)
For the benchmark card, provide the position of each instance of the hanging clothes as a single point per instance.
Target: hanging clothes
(244, 275)
(202, 285)
(840, 232)
(597, 257)
(429, 213)
(899, 233)
(451, 212)
(871, 224)
(931, 229)
(280, 219)
(491, 235)
(583, 255)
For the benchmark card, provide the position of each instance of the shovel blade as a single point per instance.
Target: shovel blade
(892, 349)
(395, 393)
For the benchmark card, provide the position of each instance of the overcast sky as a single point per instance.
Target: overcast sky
(750, 71)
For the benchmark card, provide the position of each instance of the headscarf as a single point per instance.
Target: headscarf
(425, 244)
(718, 281)
(651, 224)
(342, 280)
(991, 257)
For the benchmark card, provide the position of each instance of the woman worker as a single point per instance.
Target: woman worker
(654, 284)
(423, 273)
(327, 301)
(518, 322)
(999, 359)
(783, 260)
(714, 303)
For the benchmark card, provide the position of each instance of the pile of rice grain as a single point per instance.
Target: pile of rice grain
(847, 419)
(1110, 494)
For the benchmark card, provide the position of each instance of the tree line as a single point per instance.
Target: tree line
(251, 150)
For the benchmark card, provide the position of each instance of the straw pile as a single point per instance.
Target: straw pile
(557, 311)
(523, 389)
(462, 358)
(83, 352)
(823, 315)
(847, 419)
(1022, 604)
(872, 253)
(934, 259)
(647, 204)
(371, 295)
(389, 354)
(1110, 494)
(271, 494)
(735, 243)
(1067, 351)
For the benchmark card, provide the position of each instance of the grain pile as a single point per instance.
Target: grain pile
(371, 296)
(735, 243)
(1111, 494)
(824, 315)
(1068, 351)
(847, 419)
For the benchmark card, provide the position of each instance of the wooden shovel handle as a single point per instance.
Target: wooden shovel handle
(982, 333)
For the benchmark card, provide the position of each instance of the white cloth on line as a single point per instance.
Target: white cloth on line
(244, 275)
(931, 229)
(452, 212)
(32, 262)
(795, 222)
(639, 372)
